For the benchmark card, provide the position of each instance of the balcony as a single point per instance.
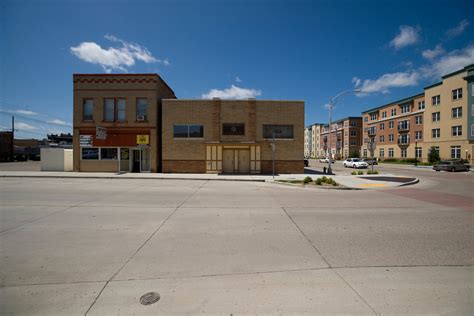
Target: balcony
(403, 127)
(404, 141)
(371, 132)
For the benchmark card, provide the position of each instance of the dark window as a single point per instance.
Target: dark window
(90, 153)
(121, 110)
(279, 131)
(108, 153)
(233, 129)
(142, 109)
(188, 131)
(109, 110)
(88, 110)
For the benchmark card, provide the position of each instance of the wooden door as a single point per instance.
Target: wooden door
(244, 161)
(228, 161)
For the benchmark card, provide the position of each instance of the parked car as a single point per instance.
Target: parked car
(451, 165)
(370, 161)
(355, 163)
(326, 160)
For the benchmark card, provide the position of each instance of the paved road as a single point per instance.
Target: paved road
(77, 246)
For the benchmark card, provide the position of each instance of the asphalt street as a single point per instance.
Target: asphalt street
(95, 246)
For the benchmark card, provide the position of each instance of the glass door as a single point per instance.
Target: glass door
(145, 160)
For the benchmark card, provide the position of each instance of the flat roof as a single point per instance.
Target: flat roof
(232, 100)
(395, 102)
(123, 75)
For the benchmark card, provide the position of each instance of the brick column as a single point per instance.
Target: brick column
(252, 120)
(216, 120)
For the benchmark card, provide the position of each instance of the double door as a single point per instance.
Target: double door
(236, 161)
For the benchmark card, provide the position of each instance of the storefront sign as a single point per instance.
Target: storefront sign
(85, 140)
(143, 139)
(100, 132)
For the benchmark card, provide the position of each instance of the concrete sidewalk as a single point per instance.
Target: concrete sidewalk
(348, 181)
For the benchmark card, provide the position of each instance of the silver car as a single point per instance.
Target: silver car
(451, 165)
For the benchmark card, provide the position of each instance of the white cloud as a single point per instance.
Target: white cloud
(233, 92)
(408, 36)
(25, 112)
(237, 79)
(432, 53)
(59, 122)
(114, 58)
(387, 81)
(450, 62)
(458, 29)
(24, 126)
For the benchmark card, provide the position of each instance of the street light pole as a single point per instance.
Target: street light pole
(416, 158)
(332, 102)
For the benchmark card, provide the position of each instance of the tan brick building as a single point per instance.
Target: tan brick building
(346, 138)
(312, 141)
(232, 136)
(133, 122)
(396, 129)
(127, 107)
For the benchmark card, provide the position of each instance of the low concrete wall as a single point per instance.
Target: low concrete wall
(56, 159)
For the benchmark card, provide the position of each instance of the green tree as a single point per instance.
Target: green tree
(354, 154)
(433, 155)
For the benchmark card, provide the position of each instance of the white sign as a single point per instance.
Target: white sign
(100, 132)
(85, 140)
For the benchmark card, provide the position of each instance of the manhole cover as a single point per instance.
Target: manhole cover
(149, 298)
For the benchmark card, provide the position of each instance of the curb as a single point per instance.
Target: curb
(409, 183)
(126, 178)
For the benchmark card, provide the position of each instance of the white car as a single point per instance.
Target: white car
(326, 160)
(355, 163)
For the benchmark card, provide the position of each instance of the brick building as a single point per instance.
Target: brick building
(133, 122)
(232, 136)
(346, 138)
(395, 128)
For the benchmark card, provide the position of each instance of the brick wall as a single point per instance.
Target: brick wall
(282, 166)
(184, 166)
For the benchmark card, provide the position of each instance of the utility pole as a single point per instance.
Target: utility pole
(273, 155)
(12, 153)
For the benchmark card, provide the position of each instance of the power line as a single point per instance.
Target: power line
(32, 119)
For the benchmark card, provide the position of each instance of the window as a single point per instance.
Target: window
(405, 108)
(390, 124)
(233, 129)
(353, 133)
(404, 139)
(457, 112)
(403, 152)
(436, 100)
(403, 125)
(279, 131)
(436, 116)
(114, 110)
(142, 109)
(353, 142)
(435, 133)
(121, 110)
(472, 109)
(381, 152)
(188, 131)
(373, 116)
(394, 112)
(418, 135)
(365, 152)
(382, 138)
(421, 105)
(456, 130)
(418, 120)
(88, 110)
(384, 114)
(390, 138)
(108, 153)
(366, 119)
(472, 129)
(418, 152)
(90, 154)
(382, 126)
(457, 94)
(353, 123)
(390, 152)
(455, 152)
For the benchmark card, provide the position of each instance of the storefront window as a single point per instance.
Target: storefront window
(90, 153)
(108, 153)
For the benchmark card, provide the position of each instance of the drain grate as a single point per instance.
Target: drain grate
(149, 298)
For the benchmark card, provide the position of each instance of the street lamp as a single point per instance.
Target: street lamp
(416, 157)
(332, 103)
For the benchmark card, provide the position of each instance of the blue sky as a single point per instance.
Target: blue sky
(303, 50)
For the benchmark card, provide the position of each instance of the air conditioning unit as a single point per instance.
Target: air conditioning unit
(141, 118)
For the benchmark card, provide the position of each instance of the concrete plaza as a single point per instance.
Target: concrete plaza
(95, 246)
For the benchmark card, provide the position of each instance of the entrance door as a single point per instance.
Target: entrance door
(244, 161)
(136, 161)
(228, 161)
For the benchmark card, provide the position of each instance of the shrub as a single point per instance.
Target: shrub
(390, 160)
(319, 181)
(324, 179)
(330, 181)
(354, 154)
(433, 155)
(375, 172)
(360, 172)
(335, 183)
(307, 180)
(354, 173)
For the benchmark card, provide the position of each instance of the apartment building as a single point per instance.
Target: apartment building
(312, 141)
(233, 136)
(449, 122)
(116, 124)
(345, 138)
(395, 130)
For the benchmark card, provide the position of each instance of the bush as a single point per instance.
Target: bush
(307, 180)
(433, 155)
(319, 181)
(324, 179)
(354, 154)
(330, 181)
(354, 173)
(360, 172)
(375, 172)
(335, 184)
(390, 160)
